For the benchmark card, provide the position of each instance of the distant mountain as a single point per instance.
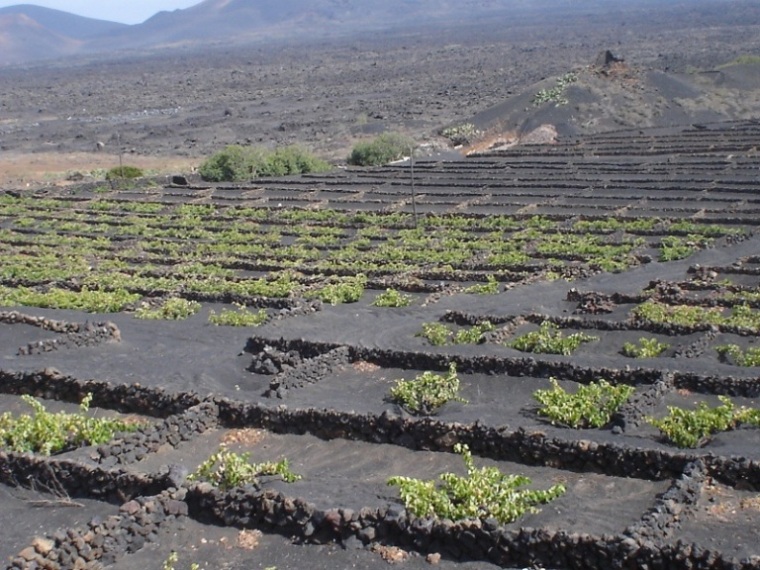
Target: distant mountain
(63, 23)
(29, 32)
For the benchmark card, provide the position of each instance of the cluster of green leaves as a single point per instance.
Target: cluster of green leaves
(439, 334)
(392, 298)
(240, 317)
(748, 357)
(592, 405)
(124, 172)
(45, 432)
(690, 428)
(673, 248)
(741, 316)
(227, 469)
(385, 148)
(483, 493)
(646, 348)
(347, 290)
(172, 309)
(555, 94)
(548, 339)
(237, 163)
(490, 287)
(426, 393)
(54, 298)
(462, 134)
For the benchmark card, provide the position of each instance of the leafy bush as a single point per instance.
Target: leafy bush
(689, 428)
(548, 339)
(555, 94)
(592, 405)
(427, 392)
(173, 309)
(749, 357)
(55, 298)
(235, 163)
(392, 298)
(226, 469)
(242, 317)
(348, 290)
(646, 348)
(120, 172)
(461, 134)
(491, 287)
(47, 432)
(483, 493)
(385, 148)
(439, 334)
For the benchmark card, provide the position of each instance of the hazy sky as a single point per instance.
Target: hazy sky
(128, 12)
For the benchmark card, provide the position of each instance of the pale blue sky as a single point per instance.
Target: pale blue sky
(125, 11)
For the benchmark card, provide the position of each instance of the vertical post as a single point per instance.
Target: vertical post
(121, 155)
(411, 172)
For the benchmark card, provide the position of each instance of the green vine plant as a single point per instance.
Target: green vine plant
(428, 392)
(348, 290)
(646, 348)
(548, 339)
(393, 299)
(692, 428)
(591, 406)
(735, 355)
(555, 94)
(485, 492)
(490, 287)
(172, 309)
(47, 433)
(241, 317)
(439, 334)
(227, 469)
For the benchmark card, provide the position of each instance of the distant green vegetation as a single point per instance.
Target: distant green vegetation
(383, 149)
(555, 94)
(745, 59)
(119, 172)
(236, 163)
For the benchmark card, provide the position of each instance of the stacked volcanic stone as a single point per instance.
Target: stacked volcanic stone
(309, 371)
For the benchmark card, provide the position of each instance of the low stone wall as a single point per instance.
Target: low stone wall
(309, 371)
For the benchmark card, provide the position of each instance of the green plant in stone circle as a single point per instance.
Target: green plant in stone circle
(748, 357)
(491, 287)
(439, 334)
(689, 428)
(46, 432)
(483, 493)
(592, 405)
(426, 393)
(172, 309)
(646, 348)
(548, 339)
(392, 298)
(348, 290)
(241, 317)
(227, 469)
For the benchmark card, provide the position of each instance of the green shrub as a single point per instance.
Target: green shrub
(383, 149)
(392, 298)
(483, 493)
(592, 405)
(347, 290)
(226, 469)
(548, 339)
(121, 172)
(749, 357)
(689, 428)
(46, 432)
(236, 163)
(461, 134)
(439, 334)
(173, 309)
(646, 348)
(427, 392)
(242, 317)
(490, 287)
